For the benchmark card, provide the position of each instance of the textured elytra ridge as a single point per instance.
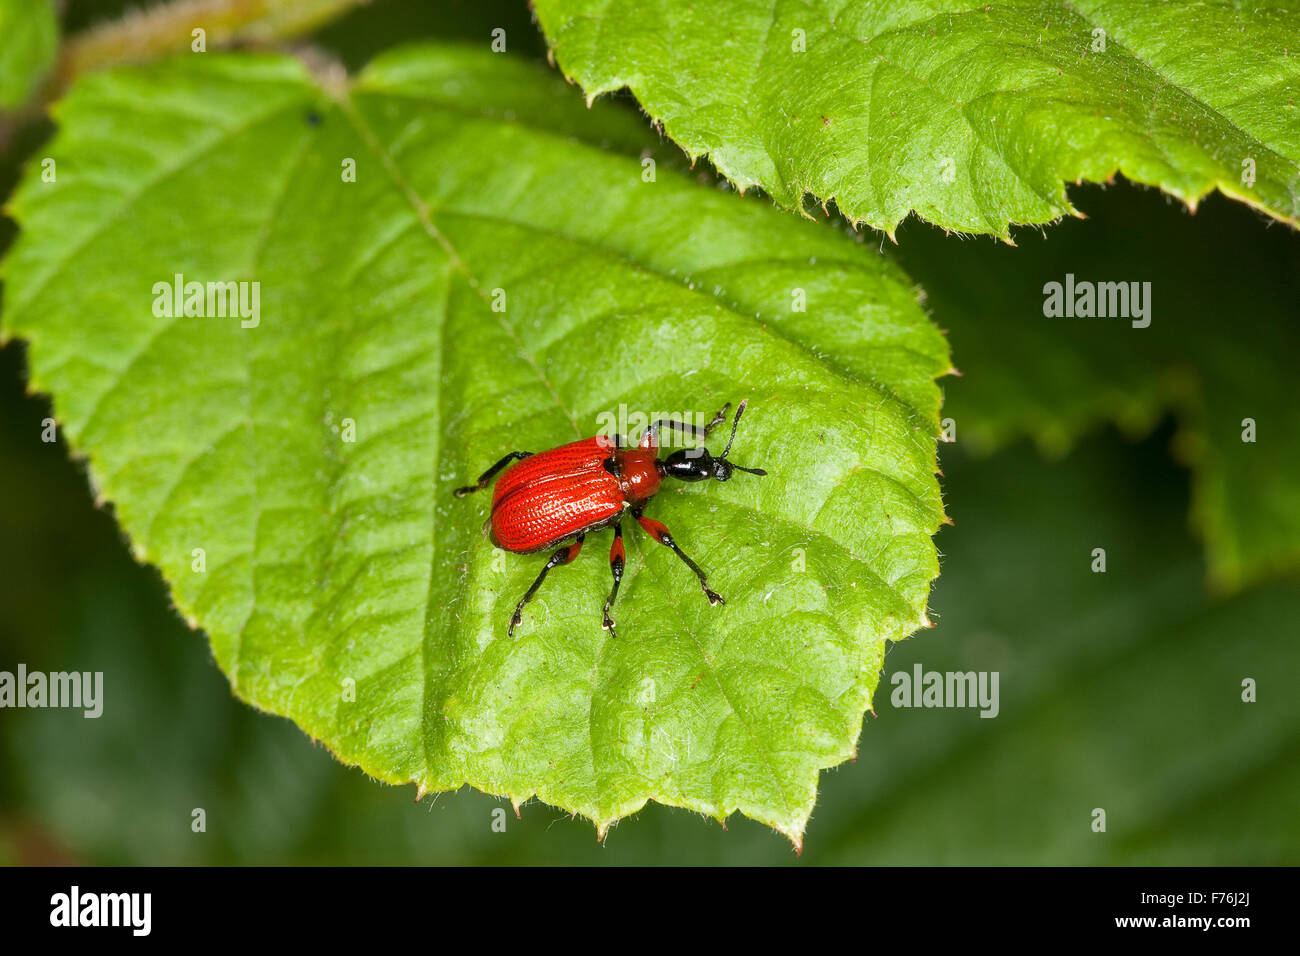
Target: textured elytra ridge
(972, 115)
(344, 586)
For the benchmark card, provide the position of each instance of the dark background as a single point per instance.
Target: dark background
(1119, 690)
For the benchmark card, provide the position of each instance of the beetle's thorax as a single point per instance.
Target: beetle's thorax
(638, 473)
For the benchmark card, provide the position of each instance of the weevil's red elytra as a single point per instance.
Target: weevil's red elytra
(558, 497)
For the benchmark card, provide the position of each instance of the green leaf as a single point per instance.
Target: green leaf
(333, 564)
(1218, 351)
(29, 38)
(972, 115)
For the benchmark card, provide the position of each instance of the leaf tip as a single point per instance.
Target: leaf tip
(795, 836)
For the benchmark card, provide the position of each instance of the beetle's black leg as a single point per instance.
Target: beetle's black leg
(485, 479)
(617, 558)
(693, 430)
(660, 533)
(562, 556)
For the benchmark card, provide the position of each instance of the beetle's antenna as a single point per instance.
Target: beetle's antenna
(740, 410)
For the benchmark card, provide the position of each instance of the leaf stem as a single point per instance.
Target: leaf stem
(143, 35)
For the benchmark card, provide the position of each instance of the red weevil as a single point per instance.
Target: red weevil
(559, 496)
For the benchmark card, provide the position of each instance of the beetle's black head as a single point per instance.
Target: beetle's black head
(696, 464)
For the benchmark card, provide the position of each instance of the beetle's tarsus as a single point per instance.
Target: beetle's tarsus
(718, 419)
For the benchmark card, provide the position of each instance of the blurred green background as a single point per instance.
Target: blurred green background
(1119, 690)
